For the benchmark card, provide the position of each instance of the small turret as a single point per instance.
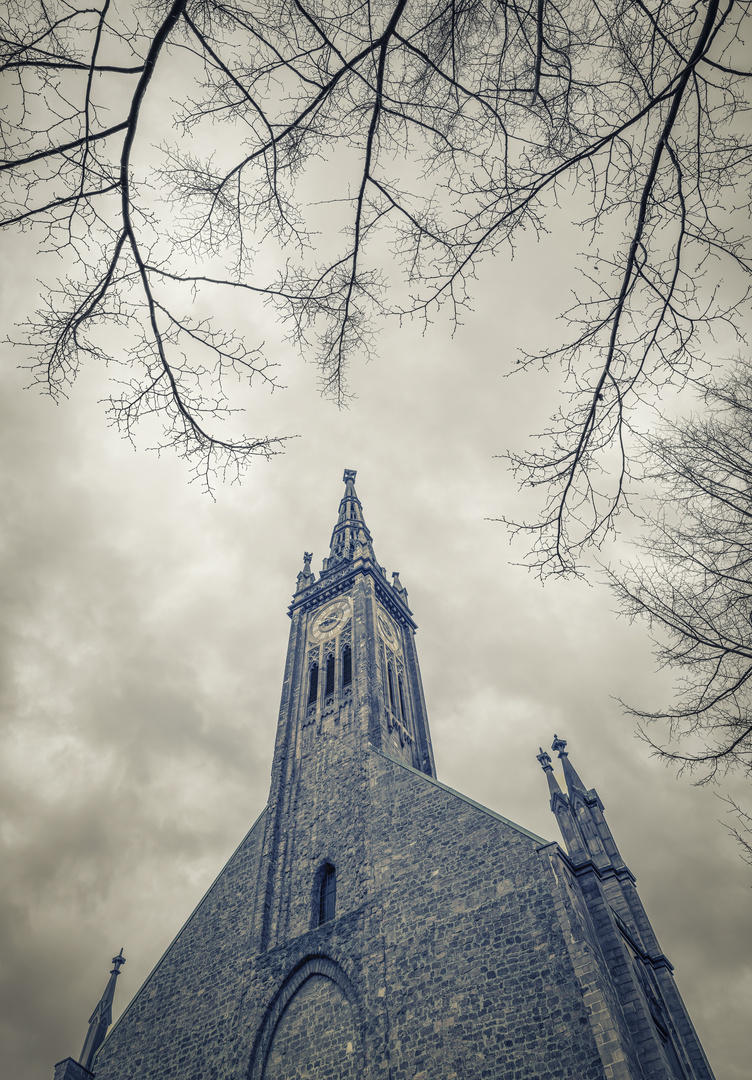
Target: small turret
(570, 773)
(579, 813)
(306, 576)
(99, 1022)
(398, 586)
(101, 1018)
(553, 784)
(562, 808)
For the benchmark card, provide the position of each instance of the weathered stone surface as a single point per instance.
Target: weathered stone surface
(316, 1035)
(70, 1069)
(447, 940)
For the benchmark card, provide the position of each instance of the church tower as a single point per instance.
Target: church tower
(374, 924)
(351, 680)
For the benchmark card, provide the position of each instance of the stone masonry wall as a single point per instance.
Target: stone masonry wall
(479, 980)
(180, 1022)
(456, 960)
(315, 1038)
(446, 961)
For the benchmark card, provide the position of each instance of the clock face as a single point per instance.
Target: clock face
(388, 631)
(327, 622)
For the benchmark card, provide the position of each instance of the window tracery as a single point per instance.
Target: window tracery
(313, 683)
(346, 667)
(329, 684)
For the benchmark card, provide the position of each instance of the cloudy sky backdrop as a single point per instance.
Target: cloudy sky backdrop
(144, 631)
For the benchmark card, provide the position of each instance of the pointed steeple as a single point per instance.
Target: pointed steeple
(101, 1018)
(350, 537)
(553, 784)
(352, 685)
(559, 746)
(580, 813)
(562, 807)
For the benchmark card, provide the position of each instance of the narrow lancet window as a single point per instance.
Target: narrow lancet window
(391, 685)
(346, 666)
(329, 686)
(313, 683)
(327, 894)
(402, 700)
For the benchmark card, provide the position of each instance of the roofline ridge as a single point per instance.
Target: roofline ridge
(465, 798)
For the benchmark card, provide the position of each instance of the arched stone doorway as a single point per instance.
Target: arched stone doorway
(312, 1029)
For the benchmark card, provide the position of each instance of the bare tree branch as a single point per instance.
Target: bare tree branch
(693, 583)
(451, 126)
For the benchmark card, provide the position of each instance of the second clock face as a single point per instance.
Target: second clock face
(388, 631)
(327, 622)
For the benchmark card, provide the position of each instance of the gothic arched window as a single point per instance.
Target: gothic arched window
(313, 683)
(390, 677)
(402, 700)
(327, 894)
(329, 685)
(346, 666)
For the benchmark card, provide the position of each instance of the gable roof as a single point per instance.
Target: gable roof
(464, 798)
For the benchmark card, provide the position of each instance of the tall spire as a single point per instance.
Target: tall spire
(101, 1018)
(563, 809)
(350, 537)
(553, 784)
(580, 813)
(559, 746)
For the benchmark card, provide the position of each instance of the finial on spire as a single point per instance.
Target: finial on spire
(306, 576)
(544, 759)
(350, 474)
(101, 1018)
(553, 784)
(579, 813)
(398, 586)
(574, 783)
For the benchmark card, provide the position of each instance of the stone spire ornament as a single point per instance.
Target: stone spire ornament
(398, 586)
(101, 1018)
(559, 746)
(99, 1022)
(553, 784)
(306, 576)
(350, 536)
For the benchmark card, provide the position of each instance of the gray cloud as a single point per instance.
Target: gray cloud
(143, 635)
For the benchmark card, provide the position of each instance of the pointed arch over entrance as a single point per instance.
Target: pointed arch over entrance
(316, 995)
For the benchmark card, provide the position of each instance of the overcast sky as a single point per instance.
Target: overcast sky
(144, 632)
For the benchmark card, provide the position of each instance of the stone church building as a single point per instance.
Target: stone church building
(374, 923)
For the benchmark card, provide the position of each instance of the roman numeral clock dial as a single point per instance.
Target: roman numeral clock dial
(388, 631)
(331, 620)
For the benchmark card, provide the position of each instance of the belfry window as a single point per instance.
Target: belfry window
(390, 678)
(402, 699)
(313, 683)
(327, 897)
(346, 666)
(329, 685)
